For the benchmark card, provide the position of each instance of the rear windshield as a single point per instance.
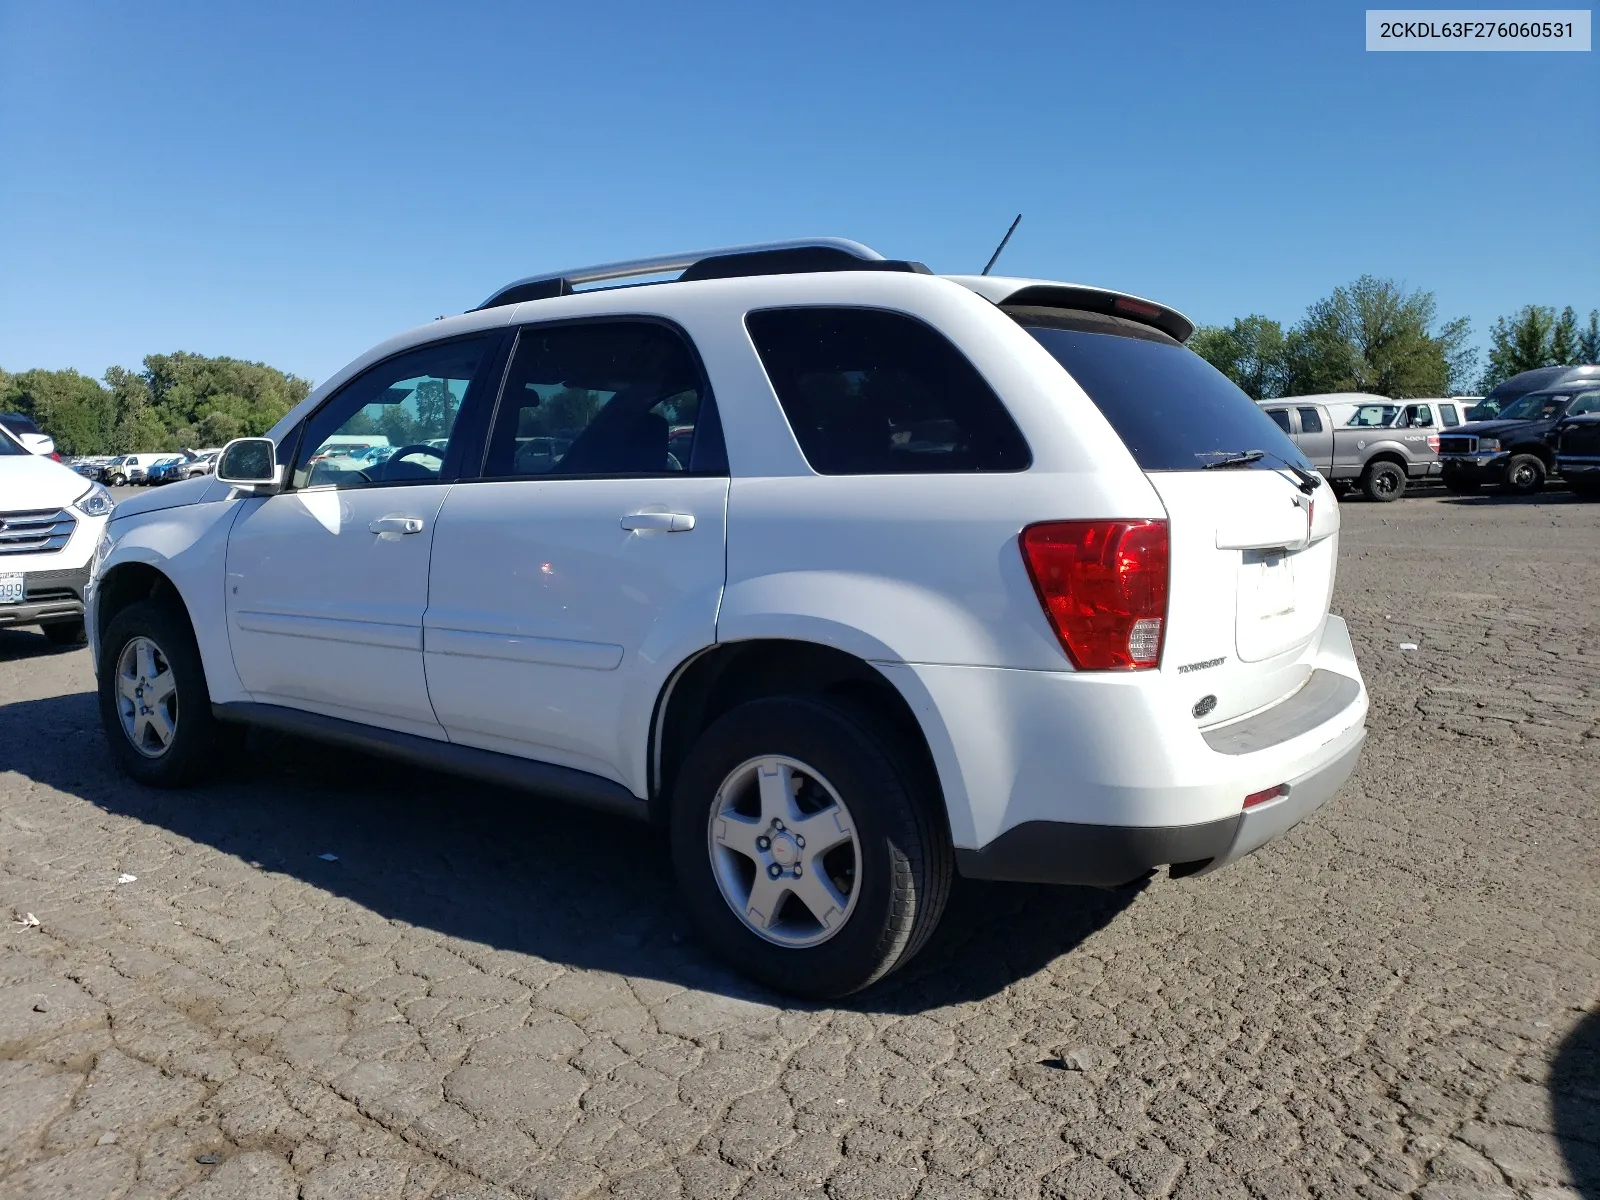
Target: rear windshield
(1172, 409)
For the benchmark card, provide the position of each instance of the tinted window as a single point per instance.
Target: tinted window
(1447, 414)
(613, 398)
(1310, 421)
(393, 423)
(1173, 410)
(9, 445)
(1280, 418)
(869, 392)
(1536, 406)
(1586, 402)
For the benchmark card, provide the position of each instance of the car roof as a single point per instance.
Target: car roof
(765, 268)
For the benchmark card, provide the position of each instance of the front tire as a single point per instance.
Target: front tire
(1383, 481)
(154, 702)
(1524, 475)
(806, 847)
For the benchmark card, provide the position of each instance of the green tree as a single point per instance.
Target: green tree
(1251, 352)
(1589, 339)
(1374, 336)
(74, 409)
(1520, 343)
(1564, 337)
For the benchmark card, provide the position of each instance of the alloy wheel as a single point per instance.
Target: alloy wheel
(784, 851)
(147, 697)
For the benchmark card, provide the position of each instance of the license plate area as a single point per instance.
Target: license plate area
(1269, 576)
(13, 587)
(1281, 598)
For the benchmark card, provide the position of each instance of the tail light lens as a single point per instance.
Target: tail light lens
(1103, 585)
(1433, 442)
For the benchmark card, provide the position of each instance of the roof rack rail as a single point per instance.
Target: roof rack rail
(760, 258)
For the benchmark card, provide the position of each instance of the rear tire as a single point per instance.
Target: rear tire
(64, 633)
(154, 702)
(1524, 475)
(1383, 481)
(835, 773)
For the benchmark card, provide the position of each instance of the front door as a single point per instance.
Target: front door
(327, 582)
(589, 559)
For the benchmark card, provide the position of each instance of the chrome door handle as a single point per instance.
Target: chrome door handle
(396, 524)
(670, 522)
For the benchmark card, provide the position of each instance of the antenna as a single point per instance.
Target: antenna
(995, 256)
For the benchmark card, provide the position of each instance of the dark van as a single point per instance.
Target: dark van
(1539, 379)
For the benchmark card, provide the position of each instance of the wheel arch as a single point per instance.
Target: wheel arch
(720, 677)
(128, 583)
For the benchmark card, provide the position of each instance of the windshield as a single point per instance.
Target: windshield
(1586, 402)
(1172, 409)
(1536, 406)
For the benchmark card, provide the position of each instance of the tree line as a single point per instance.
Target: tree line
(178, 400)
(1375, 336)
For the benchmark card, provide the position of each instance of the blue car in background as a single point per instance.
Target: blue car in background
(165, 470)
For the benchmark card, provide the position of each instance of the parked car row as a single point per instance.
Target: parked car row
(156, 468)
(1513, 438)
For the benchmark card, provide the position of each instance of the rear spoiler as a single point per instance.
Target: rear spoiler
(1039, 293)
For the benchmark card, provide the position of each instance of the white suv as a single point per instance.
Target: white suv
(851, 575)
(51, 519)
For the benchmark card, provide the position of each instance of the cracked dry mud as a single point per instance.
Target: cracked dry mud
(484, 997)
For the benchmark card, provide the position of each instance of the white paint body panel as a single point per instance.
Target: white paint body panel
(324, 614)
(551, 630)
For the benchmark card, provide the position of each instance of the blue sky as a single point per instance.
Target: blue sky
(294, 182)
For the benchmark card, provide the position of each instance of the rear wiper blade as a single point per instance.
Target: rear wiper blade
(1309, 480)
(1241, 458)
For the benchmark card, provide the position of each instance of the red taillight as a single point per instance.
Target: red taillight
(1271, 793)
(1433, 442)
(1103, 585)
(55, 456)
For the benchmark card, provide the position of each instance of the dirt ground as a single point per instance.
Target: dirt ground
(484, 996)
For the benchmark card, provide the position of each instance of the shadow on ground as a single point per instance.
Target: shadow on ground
(1493, 499)
(509, 870)
(28, 642)
(1575, 1103)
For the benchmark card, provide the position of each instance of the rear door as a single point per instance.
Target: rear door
(1252, 554)
(587, 559)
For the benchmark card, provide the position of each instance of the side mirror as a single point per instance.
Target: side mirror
(250, 464)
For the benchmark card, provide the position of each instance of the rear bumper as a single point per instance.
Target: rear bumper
(1112, 855)
(1095, 778)
(49, 596)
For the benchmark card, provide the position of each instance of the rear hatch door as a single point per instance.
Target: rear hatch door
(1252, 549)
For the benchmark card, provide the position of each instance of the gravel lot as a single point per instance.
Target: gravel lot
(484, 997)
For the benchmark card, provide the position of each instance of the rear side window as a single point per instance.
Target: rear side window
(1173, 410)
(1447, 415)
(1280, 418)
(1310, 421)
(870, 392)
